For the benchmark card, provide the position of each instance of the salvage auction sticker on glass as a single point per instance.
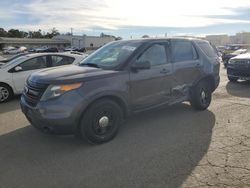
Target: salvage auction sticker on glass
(129, 48)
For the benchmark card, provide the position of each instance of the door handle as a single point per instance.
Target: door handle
(198, 64)
(164, 71)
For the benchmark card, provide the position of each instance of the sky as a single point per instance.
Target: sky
(128, 18)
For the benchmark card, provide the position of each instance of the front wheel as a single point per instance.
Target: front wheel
(201, 96)
(101, 122)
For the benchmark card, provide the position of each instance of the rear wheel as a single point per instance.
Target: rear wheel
(101, 122)
(232, 79)
(201, 96)
(6, 93)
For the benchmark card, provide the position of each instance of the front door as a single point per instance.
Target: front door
(151, 87)
(27, 68)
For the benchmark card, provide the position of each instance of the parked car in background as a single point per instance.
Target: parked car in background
(74, 49)
(8, 49)
(13, 50)
(13, 74)
(239, 67)
(226, 57)
(47, 49)
(69, 49)
(2, 59)
(121, 78)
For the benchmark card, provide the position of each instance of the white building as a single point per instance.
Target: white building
(218, 39)
(85, 41)
(241, 38)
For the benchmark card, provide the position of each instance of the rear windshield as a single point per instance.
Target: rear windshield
(207, 49)
(19, 59)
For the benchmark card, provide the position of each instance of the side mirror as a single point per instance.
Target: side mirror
(18, 69)
(140, 65)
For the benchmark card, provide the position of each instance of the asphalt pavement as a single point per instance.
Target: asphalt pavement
(172, 147)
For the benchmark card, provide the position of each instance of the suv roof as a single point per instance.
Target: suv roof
(163, 39)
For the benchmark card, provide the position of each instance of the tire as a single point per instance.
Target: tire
(101, 121)
(232, 79)
(6, 93)
(201, 96)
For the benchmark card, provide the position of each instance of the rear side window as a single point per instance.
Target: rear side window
(207, 49)
(183, 51)
(61, 60)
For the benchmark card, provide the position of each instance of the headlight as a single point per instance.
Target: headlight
(231, 61)
(57, 90)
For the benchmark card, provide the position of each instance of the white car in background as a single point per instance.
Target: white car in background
(13, 74)
(13, 50)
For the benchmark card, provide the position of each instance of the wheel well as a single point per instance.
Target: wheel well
(210, 81)
(119, 101)
(2, 83)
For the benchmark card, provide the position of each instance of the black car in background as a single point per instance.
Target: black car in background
(239, 67)
(46, 50)
(74, 49)
(226, 57)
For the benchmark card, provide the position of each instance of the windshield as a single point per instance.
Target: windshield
(111, 55)
(19, 59)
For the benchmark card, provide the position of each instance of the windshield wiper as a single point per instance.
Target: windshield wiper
(90, 65)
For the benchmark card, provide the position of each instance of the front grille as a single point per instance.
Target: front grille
(33, 92)
(238, 72)
(241, 63)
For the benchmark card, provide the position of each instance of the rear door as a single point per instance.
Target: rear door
(28, 67)
(151, 86)
(186, 66)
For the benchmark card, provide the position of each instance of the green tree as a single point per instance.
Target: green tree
(14, 33)
(35, 34)
(3, 33)
(52, 33)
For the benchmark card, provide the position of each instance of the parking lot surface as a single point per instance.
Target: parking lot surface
(172, 147)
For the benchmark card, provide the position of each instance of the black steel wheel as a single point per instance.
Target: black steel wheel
(201, 96)
(101, 121)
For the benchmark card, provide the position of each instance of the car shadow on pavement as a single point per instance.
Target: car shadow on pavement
(239, 89)
(153, 149)
(10, 105)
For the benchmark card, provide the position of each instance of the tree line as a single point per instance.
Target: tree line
(16, 33)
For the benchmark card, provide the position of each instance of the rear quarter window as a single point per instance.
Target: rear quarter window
(207, 49)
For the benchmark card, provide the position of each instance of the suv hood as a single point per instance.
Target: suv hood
(242, 56)
(69, 74)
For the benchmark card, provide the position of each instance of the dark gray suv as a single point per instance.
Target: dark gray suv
(121, 78)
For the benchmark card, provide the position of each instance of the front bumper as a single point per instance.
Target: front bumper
(59, 116)
(238, 72)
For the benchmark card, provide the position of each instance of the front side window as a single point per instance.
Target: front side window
(34, 63)
(156, 55)
(183, 51)
(61, 60)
